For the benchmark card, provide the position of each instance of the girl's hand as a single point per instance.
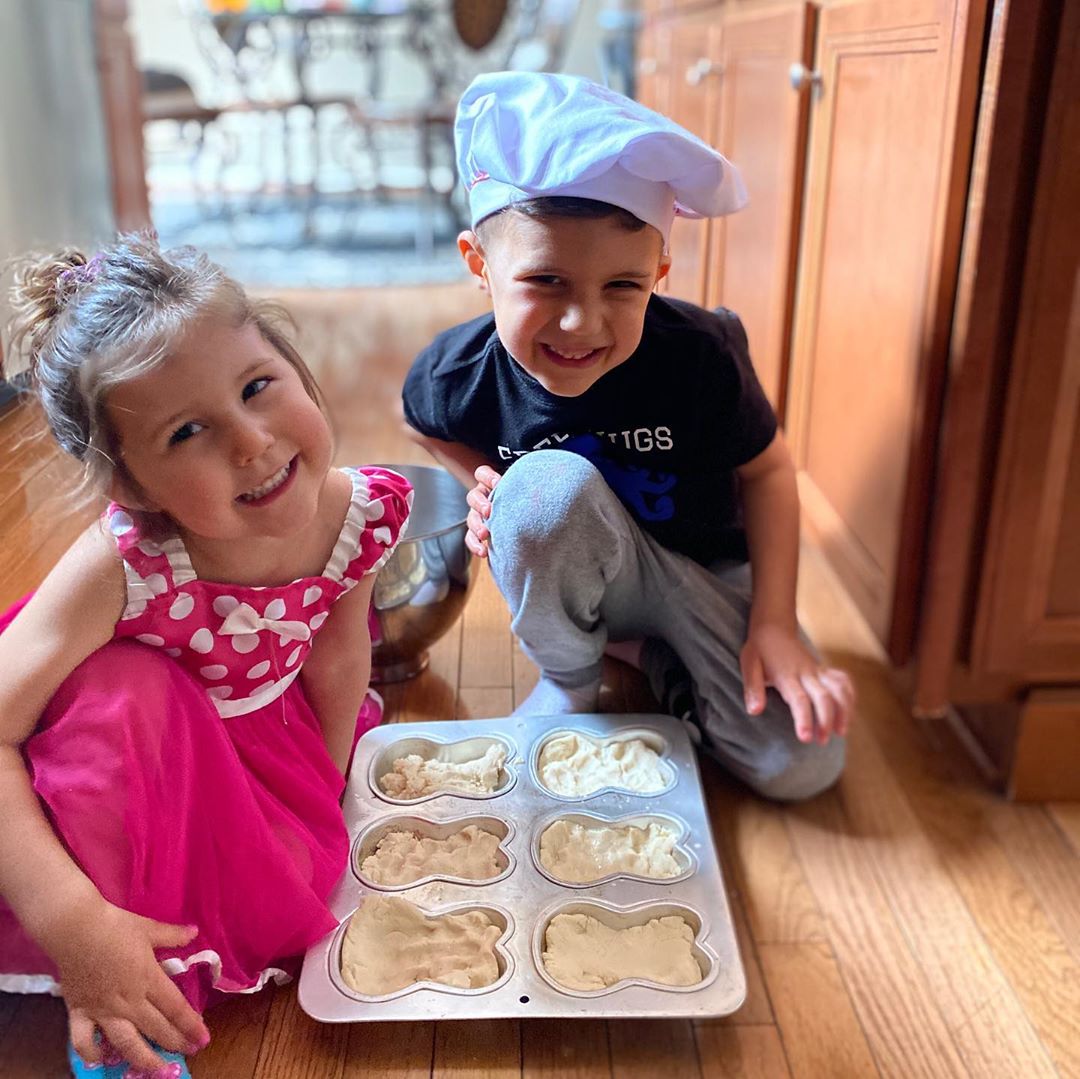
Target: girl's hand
(111, 980)
(821, 699)
(479, 498)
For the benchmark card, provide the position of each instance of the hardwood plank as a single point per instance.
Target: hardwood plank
(989, 1044)
(741, 1052)
(486, 653)
(637, 694)
(389, 1051)
(432, 694)
(756, 1009)
(237, 1027)
(27, 447)
(37, 531)
(647, 1048)
(296, 1047)
(960, 968)
(758, 853)
(891, 993)
(554, 1049)
(1047, 862)
(822, 1036)
(1066, 815)
(477, 1049)
(35, 1044)
(485, 702)
(957, 815)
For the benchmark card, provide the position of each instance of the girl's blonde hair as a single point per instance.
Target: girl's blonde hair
(84, 325)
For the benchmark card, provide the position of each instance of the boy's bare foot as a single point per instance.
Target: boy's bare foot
(627, 651)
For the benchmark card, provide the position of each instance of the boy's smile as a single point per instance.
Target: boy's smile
(569, 293)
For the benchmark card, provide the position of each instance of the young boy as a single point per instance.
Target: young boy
(624, 462)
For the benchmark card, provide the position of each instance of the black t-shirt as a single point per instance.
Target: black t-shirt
(666, 428)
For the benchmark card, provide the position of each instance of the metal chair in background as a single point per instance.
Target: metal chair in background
(456, 41)
(168, 100)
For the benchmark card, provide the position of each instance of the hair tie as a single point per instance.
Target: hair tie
(83, 274)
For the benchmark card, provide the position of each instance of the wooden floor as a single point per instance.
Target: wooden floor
(908, 923)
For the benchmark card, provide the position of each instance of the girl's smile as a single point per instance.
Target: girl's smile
(275, 486)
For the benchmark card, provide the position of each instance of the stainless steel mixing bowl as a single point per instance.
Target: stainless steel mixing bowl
(422, 589)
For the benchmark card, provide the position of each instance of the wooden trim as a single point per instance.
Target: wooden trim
(960, 112)
(1004, 171)
(1046, 759)
(121, 101)
(1016, 630)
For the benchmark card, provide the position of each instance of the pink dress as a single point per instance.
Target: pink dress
(184, 769)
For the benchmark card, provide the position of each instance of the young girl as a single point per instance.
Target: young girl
(169, 786)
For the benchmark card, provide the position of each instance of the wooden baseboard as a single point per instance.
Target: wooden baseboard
(1046, 761)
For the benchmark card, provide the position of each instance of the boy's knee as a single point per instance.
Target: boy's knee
(542, 495)
(797, 771)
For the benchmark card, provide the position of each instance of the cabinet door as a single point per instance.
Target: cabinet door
(692, 102)
(654, 66)
(890, 138)
(1028, 616)
(762, 129)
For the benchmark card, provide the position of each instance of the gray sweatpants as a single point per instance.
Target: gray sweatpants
(577, 570)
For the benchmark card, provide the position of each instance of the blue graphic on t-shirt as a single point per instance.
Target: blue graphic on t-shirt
(641, 490)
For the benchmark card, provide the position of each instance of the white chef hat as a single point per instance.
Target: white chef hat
(525, 135)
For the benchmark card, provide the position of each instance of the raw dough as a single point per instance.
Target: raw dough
(414, 777)
(402, 857)
(576, 853)
(391, 944)
(583, 953)
(576, 766)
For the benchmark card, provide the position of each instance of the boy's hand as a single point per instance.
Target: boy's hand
(479, 498)
(111, 981)
(821, 699)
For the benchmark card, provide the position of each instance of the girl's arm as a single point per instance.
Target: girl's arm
(108, 973)
(71, 615)
(336, 673)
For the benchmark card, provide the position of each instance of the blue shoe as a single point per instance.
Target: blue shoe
(174, 1068)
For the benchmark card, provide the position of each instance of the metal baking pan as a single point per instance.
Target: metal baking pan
(523, 897)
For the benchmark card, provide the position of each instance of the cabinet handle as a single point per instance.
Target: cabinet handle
(801, 77)
(647, 65)
(701, 70)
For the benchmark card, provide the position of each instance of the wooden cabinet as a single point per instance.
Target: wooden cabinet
(724, 72)
(923, 185)
(1028, 614)
(999, 629)
(860, 115)
(887, 176)
(760, 122)
(692, 99)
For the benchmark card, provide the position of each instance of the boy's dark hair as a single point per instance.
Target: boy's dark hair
(560, 206)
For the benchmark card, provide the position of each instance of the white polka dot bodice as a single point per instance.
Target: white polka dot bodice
(247, 644)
